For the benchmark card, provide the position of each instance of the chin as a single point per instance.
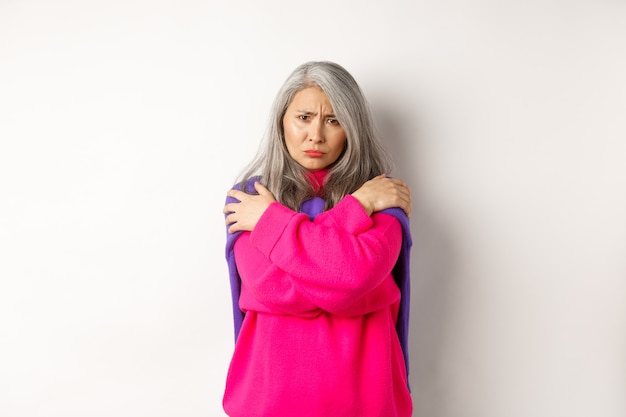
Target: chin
(315, 167)
(312, 166)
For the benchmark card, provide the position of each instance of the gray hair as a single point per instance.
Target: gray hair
(362, 159)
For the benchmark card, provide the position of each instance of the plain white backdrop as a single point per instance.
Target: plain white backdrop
(123, 123)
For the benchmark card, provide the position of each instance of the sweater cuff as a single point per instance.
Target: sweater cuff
(350, 215)
(270, 227)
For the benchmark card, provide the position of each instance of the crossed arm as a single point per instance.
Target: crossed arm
(294, 266)
(375, 195)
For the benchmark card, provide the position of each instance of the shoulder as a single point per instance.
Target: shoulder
(247, 185)
(401, 218)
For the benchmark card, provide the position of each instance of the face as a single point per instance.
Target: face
(313, 135)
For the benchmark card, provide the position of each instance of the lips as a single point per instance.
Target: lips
(314, 154)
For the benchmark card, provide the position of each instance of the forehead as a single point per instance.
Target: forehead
(310, 98)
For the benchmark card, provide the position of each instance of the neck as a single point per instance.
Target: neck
(317, 180)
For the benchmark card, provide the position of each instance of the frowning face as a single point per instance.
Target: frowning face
(313, 135)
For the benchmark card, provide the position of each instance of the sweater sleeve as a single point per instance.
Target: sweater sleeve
(331, 262)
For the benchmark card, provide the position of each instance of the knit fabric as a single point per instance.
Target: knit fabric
(320, 320)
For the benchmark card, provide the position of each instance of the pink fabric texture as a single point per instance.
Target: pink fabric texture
(319, 336)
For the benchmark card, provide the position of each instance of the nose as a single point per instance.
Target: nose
(316, 133)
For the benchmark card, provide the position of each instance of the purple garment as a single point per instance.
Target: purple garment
(401, 271)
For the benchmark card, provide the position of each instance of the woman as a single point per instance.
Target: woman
(318, 256)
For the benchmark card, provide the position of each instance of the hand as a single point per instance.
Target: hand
(381, 193)
(243, 216)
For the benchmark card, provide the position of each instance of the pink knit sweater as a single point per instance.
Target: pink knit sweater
(319, 337)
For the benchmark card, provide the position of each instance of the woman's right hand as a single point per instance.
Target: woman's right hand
(243, 215)
(381, 193)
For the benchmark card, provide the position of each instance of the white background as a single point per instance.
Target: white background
(122, 124)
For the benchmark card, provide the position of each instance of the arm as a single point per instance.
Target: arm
(362, 236)
(331, 263)
(244, 210)
(265, 287)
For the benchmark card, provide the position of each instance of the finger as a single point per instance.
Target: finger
(404, 193)
(378, 177)
(404, 202)
(398, 181)
(230, 208)
(402, 188)
(237, 194)
(405, 206)
(261, 189)
(231, 218)
(397, 191)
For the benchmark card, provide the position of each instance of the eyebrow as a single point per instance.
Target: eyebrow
(311, 113)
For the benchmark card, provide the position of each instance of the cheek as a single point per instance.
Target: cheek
(340, 142)
(290, 140)
(291, 134)
(287, 134)
(338, 148)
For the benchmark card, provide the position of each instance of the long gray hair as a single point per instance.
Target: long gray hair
(362, 159)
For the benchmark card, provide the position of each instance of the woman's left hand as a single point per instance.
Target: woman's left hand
(381, 193)
(243, 216)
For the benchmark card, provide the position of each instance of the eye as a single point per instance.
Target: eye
(333, 122)
(303, 117)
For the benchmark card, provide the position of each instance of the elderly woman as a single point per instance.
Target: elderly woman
(318, 250)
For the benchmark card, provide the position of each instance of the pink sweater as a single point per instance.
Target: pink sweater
(319, 336)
